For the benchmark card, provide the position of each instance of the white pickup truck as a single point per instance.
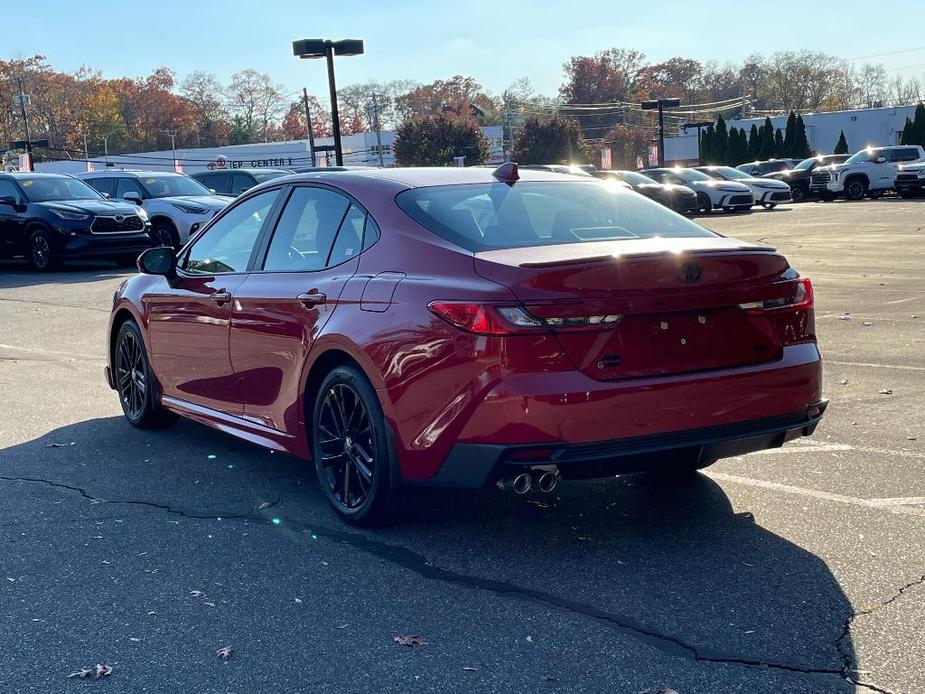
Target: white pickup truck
(870, 172)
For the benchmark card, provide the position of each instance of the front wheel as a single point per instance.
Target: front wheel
(351, 448)
(41, 251)
(135, 382)
(797, 194)
(706, 205)
(856, 189)
(165, 235)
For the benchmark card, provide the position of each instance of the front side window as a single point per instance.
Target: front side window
(487, 216)
(306, 230)
(227, 245)
(48, 188)
(129, 185)
(864, 155)
(8, 190)
(241, 182)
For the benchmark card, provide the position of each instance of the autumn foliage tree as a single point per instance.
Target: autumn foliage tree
(551, 141)
(436, 140)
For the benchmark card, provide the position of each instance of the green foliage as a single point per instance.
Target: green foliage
(841, 147)
(554, 141)
(907, 135)
(435, 140)
(754, 143)
(767, 139)
(914, 131)
(790, 136)
(706, 146)
(720, 145)
(779, 150)
(801, 149)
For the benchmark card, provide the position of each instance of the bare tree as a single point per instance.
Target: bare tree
(256, 101)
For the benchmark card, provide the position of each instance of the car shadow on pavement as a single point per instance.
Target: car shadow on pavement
(670, 565)
(17, 273)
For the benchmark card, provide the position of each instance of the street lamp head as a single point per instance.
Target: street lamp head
(315, 48)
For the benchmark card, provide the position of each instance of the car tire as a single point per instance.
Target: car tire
(164, 234)
(856, 189)
(797, 194)
(135, 381)
(769, 205)
(351, 447)
(706, 205)
(41, 253)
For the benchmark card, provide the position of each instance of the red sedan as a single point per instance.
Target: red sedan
(465, 327)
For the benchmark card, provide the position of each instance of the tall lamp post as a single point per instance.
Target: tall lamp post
(660, 104)
(327, 49)
(699, 125)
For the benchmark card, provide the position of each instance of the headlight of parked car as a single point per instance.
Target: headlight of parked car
(67, 214)
(140, 211)
(189, 209)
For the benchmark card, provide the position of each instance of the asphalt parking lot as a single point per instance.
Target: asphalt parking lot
(793, 570)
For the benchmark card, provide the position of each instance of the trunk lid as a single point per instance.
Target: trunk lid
(678, 299)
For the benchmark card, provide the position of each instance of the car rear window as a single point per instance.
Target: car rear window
(486, 216)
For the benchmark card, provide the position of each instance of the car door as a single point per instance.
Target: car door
(128, 184)
(189, 317)
(11, 221)
(280, 309)
(240, 182)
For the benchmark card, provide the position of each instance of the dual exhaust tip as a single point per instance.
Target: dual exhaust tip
(521, 483)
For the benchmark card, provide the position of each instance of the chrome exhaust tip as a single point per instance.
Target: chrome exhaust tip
(519, 483)
(546, 482)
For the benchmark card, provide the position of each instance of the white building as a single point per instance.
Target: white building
(862, 128)
(359, 149)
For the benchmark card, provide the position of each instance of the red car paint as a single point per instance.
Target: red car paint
(246, 364)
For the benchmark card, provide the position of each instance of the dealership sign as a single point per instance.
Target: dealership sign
(221, 163)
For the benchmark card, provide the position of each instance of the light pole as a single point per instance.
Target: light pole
(327, 49)
(660, 104)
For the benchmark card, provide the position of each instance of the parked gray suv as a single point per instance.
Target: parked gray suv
(176, 204)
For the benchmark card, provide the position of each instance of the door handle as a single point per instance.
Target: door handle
(220, 297)
(312, 298)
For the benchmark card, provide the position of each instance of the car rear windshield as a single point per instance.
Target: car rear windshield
(487, 216)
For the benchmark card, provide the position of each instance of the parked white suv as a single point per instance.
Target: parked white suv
(871, 171)
(176, 204)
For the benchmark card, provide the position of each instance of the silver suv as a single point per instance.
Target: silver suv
(176, 204)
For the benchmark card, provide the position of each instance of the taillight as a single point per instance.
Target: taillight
(801, 299)
(491, 319)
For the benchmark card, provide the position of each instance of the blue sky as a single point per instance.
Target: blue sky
(495, 42)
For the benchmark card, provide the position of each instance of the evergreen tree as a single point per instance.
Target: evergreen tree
(801, 148)
(841, 147)
(908, 133)
(721, 141)
(706, 146)
(790, 135)
(767, 139)
(732, 147)
(743, 147)
(918, 126)
(779, 150)
(754, 143)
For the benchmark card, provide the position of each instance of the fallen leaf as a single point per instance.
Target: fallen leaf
(263, 505)
(225, 653)
(210, 604)
(299, 600)
(529, 638)
(867, 323)
(844, 318)
(470, 669)
(197, 593)
(102, 671)
(81, 673)
(59, 445)
(911, 438)
(133, 639)
(885, 391)
(843, 381)
(410, 640)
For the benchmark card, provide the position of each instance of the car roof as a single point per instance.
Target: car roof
(417, 177)
(126, 172)
(253, 170)
(35, 174)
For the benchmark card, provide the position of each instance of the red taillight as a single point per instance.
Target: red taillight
(474, 318)
(492, 319)
(801, 299)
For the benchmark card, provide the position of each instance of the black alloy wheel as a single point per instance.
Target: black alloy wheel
(856, 189)
(706, 205)
(797, 193)
(135, 382)
(164, 235)
(41, 252)
(351, 448)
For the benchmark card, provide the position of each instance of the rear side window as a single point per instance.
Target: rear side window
(306, 230)
(486, 216)
(103, 185)
(240, 183)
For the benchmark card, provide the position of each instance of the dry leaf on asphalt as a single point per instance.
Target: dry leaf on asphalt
(102, 671)
(59, 445)
(81, 673)
(197, 593)
(263, 505)
(410, 640)
(225, 653)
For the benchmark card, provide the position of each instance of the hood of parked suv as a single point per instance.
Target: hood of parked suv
(96, 207)
(209, 202)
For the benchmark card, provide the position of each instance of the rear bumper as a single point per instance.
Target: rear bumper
(477, 465)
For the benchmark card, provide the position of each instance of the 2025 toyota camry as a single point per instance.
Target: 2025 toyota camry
(464, 327)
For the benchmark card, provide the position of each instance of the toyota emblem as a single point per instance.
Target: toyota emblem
(120, 218)
(690, 273)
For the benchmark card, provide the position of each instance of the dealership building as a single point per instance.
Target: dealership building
(862, 128)
(361, 149)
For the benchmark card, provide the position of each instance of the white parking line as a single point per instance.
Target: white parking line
(900, 501)
(901, 367)
(897, 507)
(51, 352)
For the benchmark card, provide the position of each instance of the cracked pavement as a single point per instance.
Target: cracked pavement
(799, 570)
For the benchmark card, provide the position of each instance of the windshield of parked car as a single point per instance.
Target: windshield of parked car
(171, 185)
(488, 216)
(692, 175)
(47, 188)
(807, 164)
(634, 178)
(863, 155)
(730, 174)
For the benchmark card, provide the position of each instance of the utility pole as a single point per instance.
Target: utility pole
(25, 122)
(173, 145)
(106, 149)
(507, 118)
(308, 121)
(378, 129)
(660, 104)
(86, 149)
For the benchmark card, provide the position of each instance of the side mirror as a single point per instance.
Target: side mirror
(881, 160)
(213, 191)
(158, 261)
(133, 197)
(106, 195)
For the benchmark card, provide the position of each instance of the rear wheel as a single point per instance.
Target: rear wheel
(165, 235)
(41, 251)
(351, 449)
(797, 194)
(856, 189)
(135, 382)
